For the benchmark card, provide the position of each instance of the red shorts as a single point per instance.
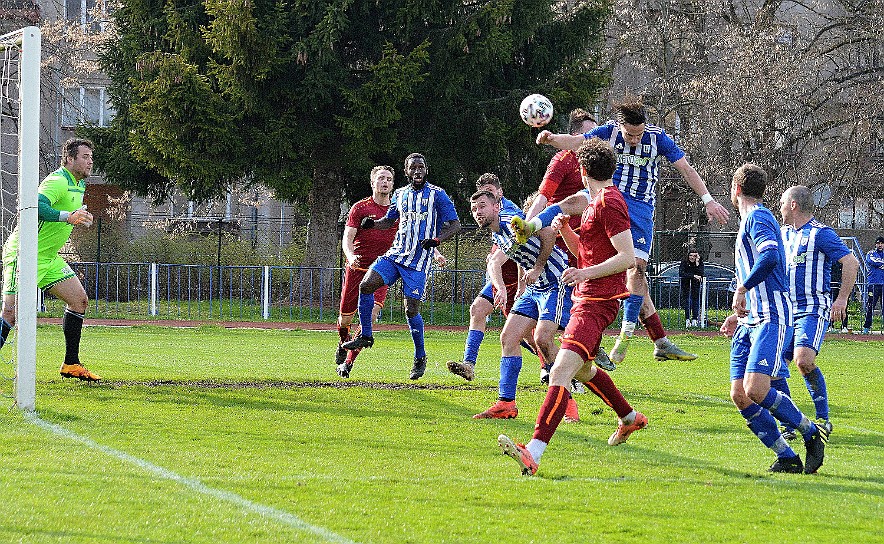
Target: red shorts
(589, 319)
(489, 291)
(350, 291)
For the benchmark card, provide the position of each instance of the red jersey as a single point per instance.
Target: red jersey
(562, 179)
(370, 244)
(605, 218)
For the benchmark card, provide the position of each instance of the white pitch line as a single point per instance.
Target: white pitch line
(192, 483)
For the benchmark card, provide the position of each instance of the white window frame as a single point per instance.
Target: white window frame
(104, 113)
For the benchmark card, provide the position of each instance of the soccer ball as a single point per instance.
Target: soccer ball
(536, 110)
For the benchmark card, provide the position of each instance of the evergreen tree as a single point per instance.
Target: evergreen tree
(306, 96)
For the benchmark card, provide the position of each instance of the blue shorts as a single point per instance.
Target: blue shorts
(641, 219)
(760, 349)
(550, 305)
(414, 282)
(809, 333)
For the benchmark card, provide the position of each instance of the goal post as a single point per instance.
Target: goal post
(20, 135)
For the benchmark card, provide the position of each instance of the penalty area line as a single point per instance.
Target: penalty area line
(192, 483)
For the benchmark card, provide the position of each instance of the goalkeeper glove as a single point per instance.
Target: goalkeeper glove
(366, 223)
(522, 229)
(429, 243)
(80, 218)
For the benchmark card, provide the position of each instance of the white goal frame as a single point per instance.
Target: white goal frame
(29, 39)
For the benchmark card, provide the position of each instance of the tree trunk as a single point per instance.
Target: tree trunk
(323, 242)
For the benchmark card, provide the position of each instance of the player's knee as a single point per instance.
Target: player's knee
(78, 303)
(805, 366)
(412, 308)
(480, 308)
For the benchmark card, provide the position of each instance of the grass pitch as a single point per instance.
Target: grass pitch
(212, 435)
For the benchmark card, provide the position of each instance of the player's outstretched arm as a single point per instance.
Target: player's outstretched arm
(714, 211)
(560, 141)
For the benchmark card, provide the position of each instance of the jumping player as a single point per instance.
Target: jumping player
(426, 218)
(640, 146)
(605, 253)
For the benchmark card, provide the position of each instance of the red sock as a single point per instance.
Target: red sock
(551, 412)
(344, 333)
(352, 354)
(603, 386)
(654, 326)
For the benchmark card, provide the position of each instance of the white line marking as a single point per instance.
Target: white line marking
(192, 483)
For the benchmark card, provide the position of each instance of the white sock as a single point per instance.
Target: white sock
(536, 448)
(629, 418)
(627, 328)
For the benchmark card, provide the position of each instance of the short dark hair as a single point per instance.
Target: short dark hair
(597, 158)
(576, 119)
(752, 179)
(414, 156)
(488, 179)
(71, 148)
(479, 194)
(632, 112)
(879, 240)
(802, 197)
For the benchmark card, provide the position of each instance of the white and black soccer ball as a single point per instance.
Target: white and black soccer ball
(536, 110)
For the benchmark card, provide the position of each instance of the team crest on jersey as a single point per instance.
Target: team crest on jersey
(646, 148)
(619, 147)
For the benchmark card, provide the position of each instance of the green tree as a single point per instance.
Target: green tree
(305, 96)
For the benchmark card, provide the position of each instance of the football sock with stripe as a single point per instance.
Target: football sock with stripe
(416, 325)
(816, 386)
(551, 413)
(72, 326)
(366, 305)
(510, 366)
(782, 385)
(763, 424)
(782, 408)
(471, 349)
(603, 386)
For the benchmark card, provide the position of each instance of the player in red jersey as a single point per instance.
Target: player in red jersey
(361, 247)
(561, 180)
(604, 251)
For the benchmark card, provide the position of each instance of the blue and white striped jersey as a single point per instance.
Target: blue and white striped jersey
(638, 166)
(525, 255)
(508, 206)
(768, 301)
(420, 214)
(810, 252)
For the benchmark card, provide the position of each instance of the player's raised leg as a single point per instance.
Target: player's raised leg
(72, 293)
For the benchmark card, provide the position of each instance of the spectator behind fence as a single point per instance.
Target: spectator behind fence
(875, 264)
(691, 272)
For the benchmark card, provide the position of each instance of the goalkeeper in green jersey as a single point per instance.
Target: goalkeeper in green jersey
(60, 209)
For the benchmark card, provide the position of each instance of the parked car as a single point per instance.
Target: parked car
(666, 288)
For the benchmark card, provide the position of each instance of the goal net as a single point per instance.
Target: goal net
(19, 179)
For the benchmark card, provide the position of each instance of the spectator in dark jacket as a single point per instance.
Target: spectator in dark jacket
(691, 275)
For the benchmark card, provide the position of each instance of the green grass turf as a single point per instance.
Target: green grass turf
(276, 448)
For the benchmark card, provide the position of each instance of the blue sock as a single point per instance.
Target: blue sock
(632, 307)
(782, 408)
(764, 426)
(366, 305)
(471, 350)
(816, 386)
(782, 385)
(509, 376)
(416, 324)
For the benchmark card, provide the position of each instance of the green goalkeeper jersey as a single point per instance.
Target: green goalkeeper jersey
(65, 194)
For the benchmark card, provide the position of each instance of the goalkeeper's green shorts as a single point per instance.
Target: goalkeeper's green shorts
(49, 273)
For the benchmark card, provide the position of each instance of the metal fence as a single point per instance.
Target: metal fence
(143, 291)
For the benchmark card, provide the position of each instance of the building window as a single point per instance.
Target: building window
(91, 14)
(86, 105)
